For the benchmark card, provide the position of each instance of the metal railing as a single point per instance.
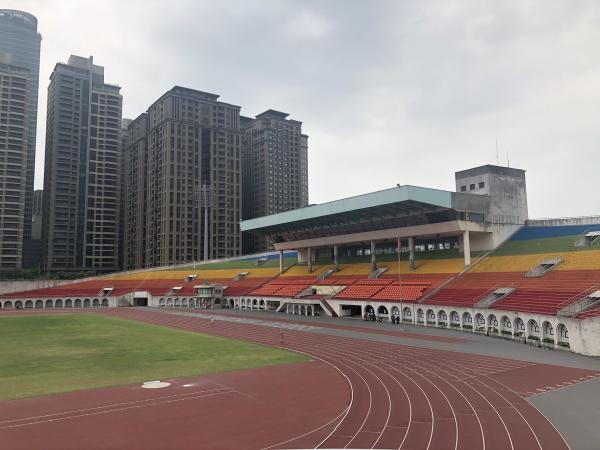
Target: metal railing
(573, 305)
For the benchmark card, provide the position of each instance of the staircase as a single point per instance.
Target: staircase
(377, 273)
(306, 292)
(261, 261)
(588, 238)
(496, 295)
(240, 275)
(589, 301)
(453, 278)
(328, 309)
(544, 266)
(325, 274)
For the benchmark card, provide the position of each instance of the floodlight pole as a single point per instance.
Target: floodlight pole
(204, 200)
(400, 277)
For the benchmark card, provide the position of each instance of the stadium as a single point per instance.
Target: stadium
(430, 318)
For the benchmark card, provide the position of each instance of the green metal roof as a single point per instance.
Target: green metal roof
(436, 197)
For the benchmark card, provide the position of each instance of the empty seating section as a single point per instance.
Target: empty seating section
(302, 271)
(517, 263)
(259, 272)
(406, 293)
(379, 282)
(586, 260)
(534, 301)
(285, 286)
(267, 289)
(291, 290)
(359, 292)
(568, 282)
(456, 297)
(540, 232)
(358, 269)
(581, 260)
(565, 284)
(428, 266)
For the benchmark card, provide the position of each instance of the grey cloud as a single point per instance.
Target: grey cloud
(389, 91)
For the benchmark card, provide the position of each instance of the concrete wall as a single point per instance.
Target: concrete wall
(563, 221)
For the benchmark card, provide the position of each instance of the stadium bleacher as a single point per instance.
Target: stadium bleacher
(506, 267)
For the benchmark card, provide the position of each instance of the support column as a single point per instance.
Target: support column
(280, 261)
(411, 253)
(336, 261)
(373, 258)
(310, 266)
(467, 248)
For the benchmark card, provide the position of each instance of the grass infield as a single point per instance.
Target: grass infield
(66, 352)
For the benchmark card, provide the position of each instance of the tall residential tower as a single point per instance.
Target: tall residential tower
(184, 182)
(13, 163)
(275, 161)
(20, 59)
(82, 169)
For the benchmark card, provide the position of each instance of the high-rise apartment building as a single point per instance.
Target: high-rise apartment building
(275, 162)
(184, 181)
(82, 169)
(20, 49)
(13, 163)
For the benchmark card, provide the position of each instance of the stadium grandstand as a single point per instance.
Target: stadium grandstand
(468, 260)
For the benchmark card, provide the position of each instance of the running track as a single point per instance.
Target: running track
(407, 397)
(404, 397)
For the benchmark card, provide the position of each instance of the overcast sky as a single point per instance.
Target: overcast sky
(388, 91)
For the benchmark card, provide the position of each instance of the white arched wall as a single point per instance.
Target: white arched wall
(583, 335)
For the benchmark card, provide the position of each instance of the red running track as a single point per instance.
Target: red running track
(400, 396)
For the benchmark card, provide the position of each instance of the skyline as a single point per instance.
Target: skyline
(522, 74)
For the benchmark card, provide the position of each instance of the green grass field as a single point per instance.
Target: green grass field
(42, 355)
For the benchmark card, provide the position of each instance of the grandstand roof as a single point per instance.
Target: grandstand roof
(391, 208)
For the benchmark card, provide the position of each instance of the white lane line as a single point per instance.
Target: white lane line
(96, 413)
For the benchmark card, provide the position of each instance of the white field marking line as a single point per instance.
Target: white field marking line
(243, 334)
(477, 357)
(243, 394)
(308, 432)
(370, 404)
(484, 397)
(328, 350)
(566, 384)
(146, 400)
(528, 424)
(344, 412)
(420, 366)
(237, 332)
(369, 362)
(512, 405)
(97, 413)
(389, 408)
(404, 366)
(447, 401)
